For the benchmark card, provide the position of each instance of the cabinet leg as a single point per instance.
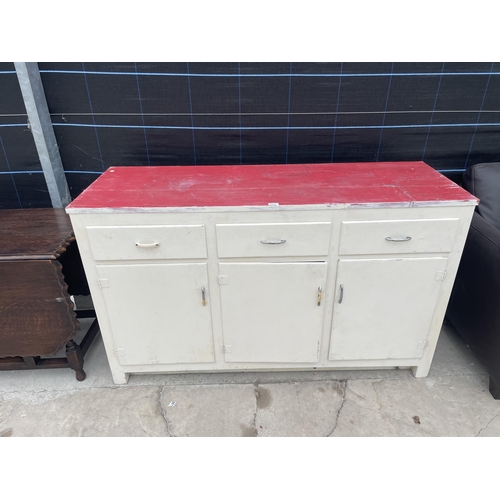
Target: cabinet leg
(75, 359)
(494, 389)
(120, 378)
(420, 371)
(29, 361)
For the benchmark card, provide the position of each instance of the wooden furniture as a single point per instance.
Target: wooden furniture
(39, 260)
(277, 267)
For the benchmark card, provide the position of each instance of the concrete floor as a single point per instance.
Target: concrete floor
(452, 401)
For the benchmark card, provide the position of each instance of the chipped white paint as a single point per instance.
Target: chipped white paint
(267, 208)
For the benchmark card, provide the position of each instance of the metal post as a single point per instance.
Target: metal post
(43, 132)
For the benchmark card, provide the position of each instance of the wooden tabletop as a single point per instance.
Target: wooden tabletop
(390, 183)
(38, 233)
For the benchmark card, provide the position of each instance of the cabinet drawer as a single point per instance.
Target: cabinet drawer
(273, 240)
(397, 236)
(147, 242)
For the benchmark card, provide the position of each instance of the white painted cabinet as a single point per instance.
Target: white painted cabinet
(271, 267)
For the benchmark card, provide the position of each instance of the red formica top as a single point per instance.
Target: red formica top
(395, 183)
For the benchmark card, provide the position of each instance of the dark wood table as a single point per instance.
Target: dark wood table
(40, 268)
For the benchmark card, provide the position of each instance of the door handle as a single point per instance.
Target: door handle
(273, 242)
(203, 301)
(147, 245)
(407, 238)
(341, 298)
(320, 294)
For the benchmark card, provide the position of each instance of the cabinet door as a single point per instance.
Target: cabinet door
(384, 307)
(270, 311)
(156, 312)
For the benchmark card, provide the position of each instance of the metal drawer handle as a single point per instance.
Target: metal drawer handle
(341, 294)
(147, 245)
(275, 242)
(408, 238)
(203, 301)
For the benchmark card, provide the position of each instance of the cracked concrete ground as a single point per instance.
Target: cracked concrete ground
(453, 401)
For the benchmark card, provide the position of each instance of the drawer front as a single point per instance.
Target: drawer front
(147, 242)
(397, 236)
(273, 240)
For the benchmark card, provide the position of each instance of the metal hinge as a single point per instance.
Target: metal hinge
(119, 351)
(440, 275)
(422, 344)
(227, 348)
(223, 279)
(103, 282)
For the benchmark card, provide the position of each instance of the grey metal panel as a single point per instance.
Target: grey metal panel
(43, 132)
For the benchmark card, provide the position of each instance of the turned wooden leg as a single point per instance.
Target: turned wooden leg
(75, 359)
(494, 389)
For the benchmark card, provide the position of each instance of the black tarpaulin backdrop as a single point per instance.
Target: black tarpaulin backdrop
(105, 114)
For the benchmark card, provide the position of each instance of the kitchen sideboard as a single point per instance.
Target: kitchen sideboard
(271, 267)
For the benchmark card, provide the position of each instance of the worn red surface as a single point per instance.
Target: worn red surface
(259, 185)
